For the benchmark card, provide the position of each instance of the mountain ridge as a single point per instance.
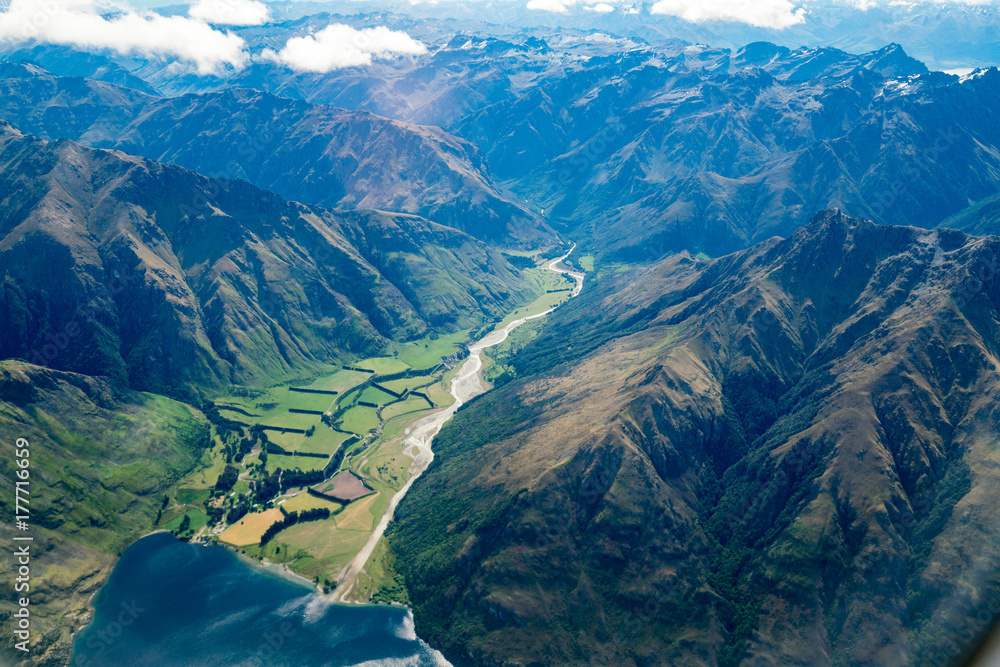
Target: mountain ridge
(760, 457)
(304, 152)
(117, 265)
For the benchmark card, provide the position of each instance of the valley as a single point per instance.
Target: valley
(724, 426)
(371, 422)
(530, 334)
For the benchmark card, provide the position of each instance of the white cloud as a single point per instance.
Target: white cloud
(776, 14)
(337, 46)
(601, 8)
(556, 6)
(78, 23)
(230, 12)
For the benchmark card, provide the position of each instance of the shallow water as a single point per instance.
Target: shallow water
(172, 603)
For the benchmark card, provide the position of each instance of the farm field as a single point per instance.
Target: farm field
(428, 352)
(250, 528)
(303, 501)
(387, 464)
(412, 404)
(303, 463)
(439, 394)
(362, 514)
(340, 381)
(360, 420)
(321, 548)
(376, 396)
(399, 386)
(384, 365)
(304, 401)
(291, 420)
(287, 441)
(346, 486)
(324, 441)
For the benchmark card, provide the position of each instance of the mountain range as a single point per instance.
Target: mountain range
(943, 36)
(170, 281)
(782, 456)
(636, 151)
(631, 150)
(304, 152)
(763, 434)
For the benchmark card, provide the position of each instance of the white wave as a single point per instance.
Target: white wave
(292, 607)
(316, 609)
(406, 629)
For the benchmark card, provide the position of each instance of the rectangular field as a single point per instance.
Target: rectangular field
(251, 528)
(291, 420)
(412, 404)
(383, 365)
(320, 402)
(340, 381)
(287, 441)
(303, 463)
(376, 396)
(324, 441)
(360, 420)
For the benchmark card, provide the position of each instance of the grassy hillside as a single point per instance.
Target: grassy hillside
(787, 455)
(102, 460)
(181, 285)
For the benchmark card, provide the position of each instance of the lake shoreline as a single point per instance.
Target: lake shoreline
(172, 597)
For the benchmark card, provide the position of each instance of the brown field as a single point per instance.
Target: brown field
(250, 528)
(303, 501)
(345, 486)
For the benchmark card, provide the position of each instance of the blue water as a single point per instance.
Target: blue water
(172, 603)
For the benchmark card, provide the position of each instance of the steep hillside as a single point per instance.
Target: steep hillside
(67, 61)
(638, 150)
(709, 150)
(305, 152)
(101, 460)
(65, 107)
(176, 283)
(784, 456)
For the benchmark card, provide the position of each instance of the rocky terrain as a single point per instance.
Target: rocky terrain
(638, 150)
(304, 152)
(787, 455)
(169, 281)
(761, 435)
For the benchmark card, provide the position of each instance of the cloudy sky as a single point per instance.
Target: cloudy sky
(204, 37)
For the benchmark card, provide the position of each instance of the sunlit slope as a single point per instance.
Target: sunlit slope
(788, 453)
(102, 458)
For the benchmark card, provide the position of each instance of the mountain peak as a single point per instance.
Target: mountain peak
(13, 69)
(760, 53)
(892, 61)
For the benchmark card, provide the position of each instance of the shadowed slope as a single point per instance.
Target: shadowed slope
(787, 453)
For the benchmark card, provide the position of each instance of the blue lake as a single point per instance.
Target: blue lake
(172, 603)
